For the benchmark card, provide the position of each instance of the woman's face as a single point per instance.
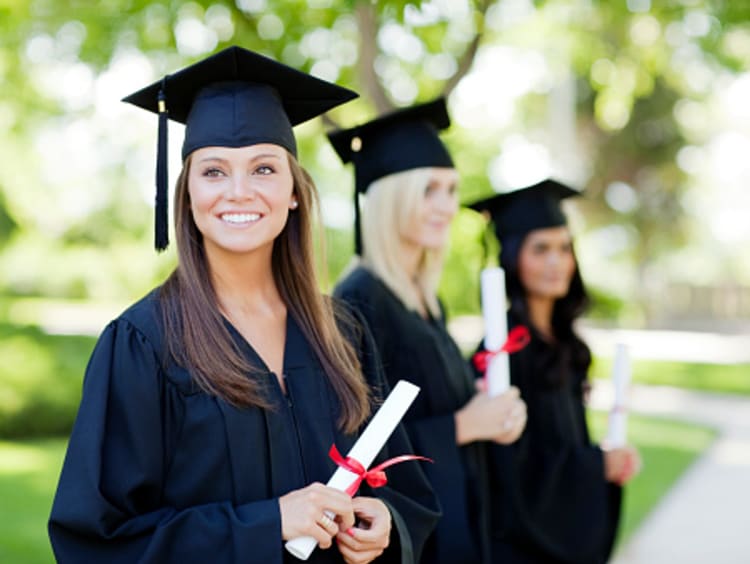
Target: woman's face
(430, 227)
(240, 197)
(546, 263)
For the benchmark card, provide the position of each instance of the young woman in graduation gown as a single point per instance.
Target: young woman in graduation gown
(210, 405)
(561, 492)
(411, 197)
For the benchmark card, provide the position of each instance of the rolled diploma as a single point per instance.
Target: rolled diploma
(367, 447)
(618, 418)
(495, 329)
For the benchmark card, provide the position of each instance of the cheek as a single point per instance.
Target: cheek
(528, 269)
(201, 198)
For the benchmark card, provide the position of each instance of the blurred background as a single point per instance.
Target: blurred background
(642, 104)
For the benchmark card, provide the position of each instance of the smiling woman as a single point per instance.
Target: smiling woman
(210, 405)
(561, 491)
(232, 190)
(410, 187)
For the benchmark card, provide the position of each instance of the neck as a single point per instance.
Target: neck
(244, 283)
(540, 314)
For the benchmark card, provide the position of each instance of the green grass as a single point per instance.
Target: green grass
(28, 476)
(727, 378)
(667, 448)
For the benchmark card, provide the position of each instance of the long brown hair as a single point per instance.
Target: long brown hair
(198, 338)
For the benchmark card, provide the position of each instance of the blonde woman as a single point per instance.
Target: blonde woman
(209, 406)
(410, 185)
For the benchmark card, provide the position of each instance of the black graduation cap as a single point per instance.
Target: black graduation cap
(402, 140)
(233, 98)
(518, 212)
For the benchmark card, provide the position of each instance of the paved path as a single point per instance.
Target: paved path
(704, 518)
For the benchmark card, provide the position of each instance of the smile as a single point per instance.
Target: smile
(240, 218)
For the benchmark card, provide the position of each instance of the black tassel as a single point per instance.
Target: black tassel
(357, 226)
(161, 234)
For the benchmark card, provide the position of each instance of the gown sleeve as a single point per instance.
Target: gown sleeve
(410, 499)
(108, 506)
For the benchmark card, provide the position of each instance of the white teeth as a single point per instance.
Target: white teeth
(240, 217)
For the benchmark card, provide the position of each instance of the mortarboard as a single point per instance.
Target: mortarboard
(518, 212)
(233, 98)
(402, 140)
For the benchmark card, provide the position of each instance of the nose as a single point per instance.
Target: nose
(555, 258)
(447, 203)
(240, 188)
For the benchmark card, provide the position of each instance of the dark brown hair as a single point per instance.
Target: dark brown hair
(566, 310)
(198, 338)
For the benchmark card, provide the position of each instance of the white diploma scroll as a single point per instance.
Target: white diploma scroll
(367, 447)
(618, 417)
(495, 329)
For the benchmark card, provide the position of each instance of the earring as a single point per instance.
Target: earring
(294, 205)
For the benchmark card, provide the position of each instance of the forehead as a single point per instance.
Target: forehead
(240, 153)
(443, 174)
(549, 235)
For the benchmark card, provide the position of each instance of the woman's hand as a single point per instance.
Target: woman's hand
(303, 513)
(501, 418)
(621, 464)
(370, 538)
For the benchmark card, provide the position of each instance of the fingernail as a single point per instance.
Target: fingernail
(350, 532)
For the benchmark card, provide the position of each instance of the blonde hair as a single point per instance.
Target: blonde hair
(391, 205)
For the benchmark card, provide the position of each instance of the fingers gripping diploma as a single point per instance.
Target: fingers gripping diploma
(303, 513)
(368, 540)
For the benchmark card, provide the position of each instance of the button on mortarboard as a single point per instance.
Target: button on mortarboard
(518, 212)
(234, 98)
(396, 142)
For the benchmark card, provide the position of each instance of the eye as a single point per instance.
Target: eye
(453, 189)
(213, 172)
(264, 170)
(429, 190)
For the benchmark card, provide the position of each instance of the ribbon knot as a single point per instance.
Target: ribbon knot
(374, 477)
(518, 338)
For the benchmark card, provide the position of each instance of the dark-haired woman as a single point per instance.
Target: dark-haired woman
(561, 492)
(209, 406)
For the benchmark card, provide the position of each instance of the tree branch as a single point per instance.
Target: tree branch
(367, 22)
(467, 59)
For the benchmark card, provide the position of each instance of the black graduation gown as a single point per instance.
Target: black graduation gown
(158, 471)
(421, 351)
(551, 502)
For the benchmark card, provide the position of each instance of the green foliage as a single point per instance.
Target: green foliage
(604, 305)
(28, 476)
(40, 381)
(667, 449)
(722, 378)
(627, 86)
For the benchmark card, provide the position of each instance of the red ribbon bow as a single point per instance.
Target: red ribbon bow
(375, 477)
(518, 338)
